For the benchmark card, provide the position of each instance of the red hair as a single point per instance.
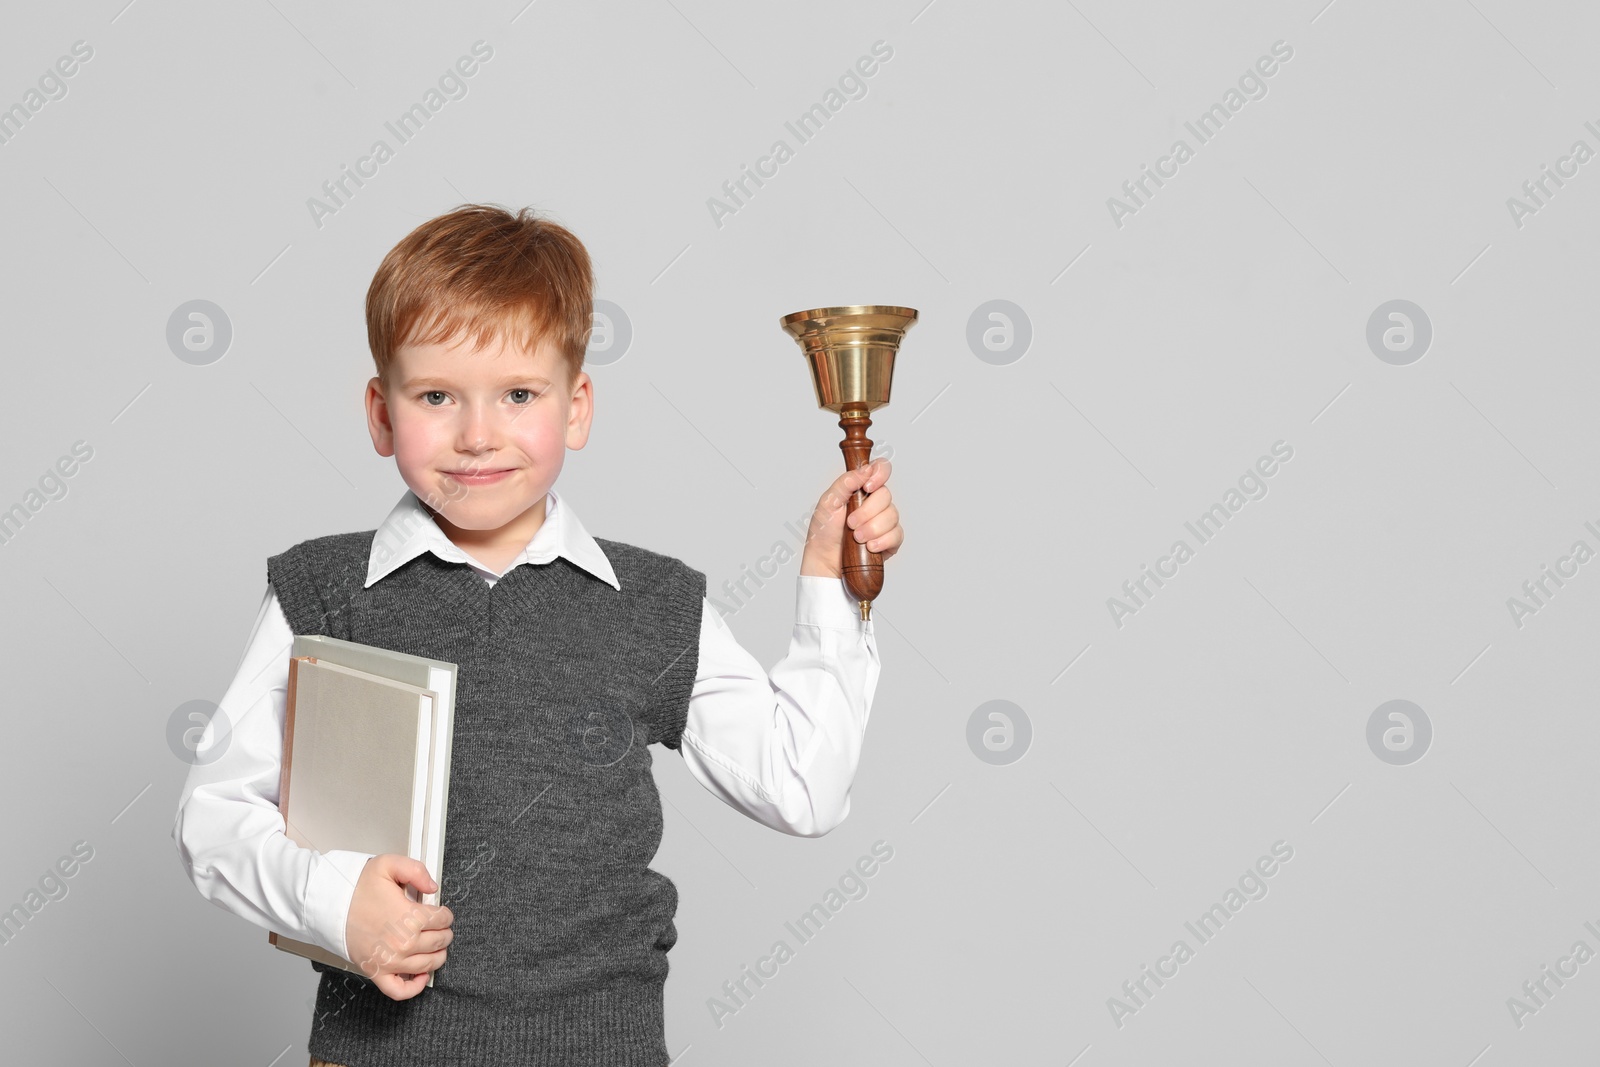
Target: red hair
(484, 272)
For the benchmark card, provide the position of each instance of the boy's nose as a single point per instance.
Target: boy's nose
(477, 431)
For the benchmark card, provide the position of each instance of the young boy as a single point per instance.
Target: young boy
(575, 654)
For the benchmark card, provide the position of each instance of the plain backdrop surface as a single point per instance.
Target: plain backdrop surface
(1143, 359)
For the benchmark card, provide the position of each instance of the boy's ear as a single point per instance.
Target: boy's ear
(580, 412)
(378, 418)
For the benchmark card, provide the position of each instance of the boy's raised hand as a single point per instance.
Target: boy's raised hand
(876, 521)
(394, 940)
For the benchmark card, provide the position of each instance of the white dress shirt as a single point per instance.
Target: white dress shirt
(782, 748)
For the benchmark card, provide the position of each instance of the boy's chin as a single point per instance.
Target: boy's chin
(463, 516)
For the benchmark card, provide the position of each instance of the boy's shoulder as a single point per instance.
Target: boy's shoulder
(331, 562)
(642, 568)
(332, 548)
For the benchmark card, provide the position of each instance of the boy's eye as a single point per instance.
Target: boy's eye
(518, 396)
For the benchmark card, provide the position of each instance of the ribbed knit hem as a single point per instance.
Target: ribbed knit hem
(619, 1027)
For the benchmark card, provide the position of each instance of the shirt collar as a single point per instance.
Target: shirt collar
(409, 531)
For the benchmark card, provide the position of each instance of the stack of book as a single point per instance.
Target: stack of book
(366, 759)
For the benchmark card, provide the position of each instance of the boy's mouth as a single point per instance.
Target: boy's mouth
(480, 476)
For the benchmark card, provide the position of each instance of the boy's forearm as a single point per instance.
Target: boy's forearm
(228, 831)
(783, 748)
(836, 669)
(239, 859)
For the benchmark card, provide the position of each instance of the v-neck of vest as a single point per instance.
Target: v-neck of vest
(526, 584)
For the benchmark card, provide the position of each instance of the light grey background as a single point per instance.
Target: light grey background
(1167, 354)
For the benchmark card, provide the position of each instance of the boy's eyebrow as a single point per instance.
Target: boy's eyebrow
(412, 383)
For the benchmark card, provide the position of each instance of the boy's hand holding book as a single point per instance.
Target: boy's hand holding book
(396, 941)
(876, 521)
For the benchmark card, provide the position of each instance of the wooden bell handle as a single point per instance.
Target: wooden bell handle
(862, 568)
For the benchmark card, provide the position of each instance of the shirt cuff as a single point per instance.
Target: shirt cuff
(826, 602)
(329, 890)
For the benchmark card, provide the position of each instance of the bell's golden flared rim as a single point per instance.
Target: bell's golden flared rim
(850, 311)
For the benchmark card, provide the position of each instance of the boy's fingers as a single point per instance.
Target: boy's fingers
(877, 501)
(431, 940)
(423, 963)
(865, 472)
(874, 474)
(407, 871)
(873, 524)
(880, 471)
(395, 987)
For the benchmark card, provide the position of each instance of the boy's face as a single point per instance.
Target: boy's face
(479, 435)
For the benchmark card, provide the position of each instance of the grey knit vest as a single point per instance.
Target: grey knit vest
(561, 927)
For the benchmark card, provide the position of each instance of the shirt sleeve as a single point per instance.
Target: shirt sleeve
(783, 748)
(228, 830)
